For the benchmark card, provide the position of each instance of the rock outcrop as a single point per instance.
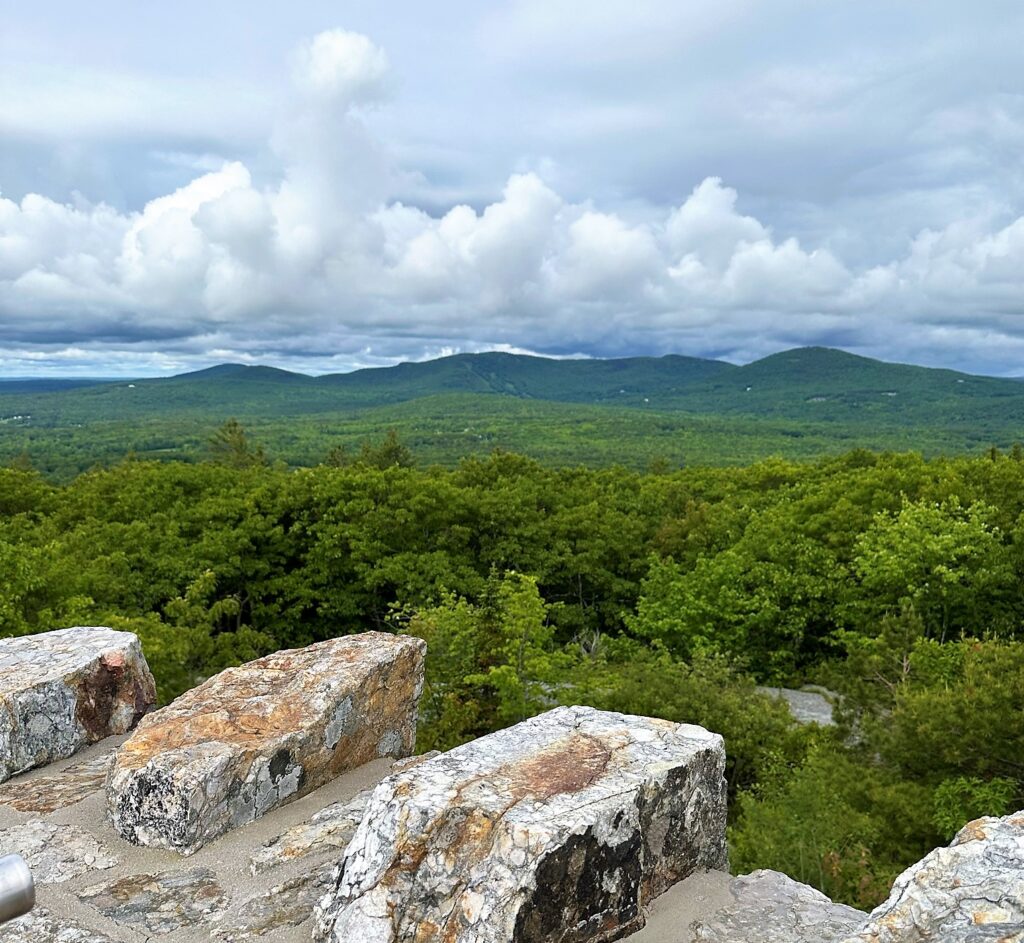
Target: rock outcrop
(567, 828)
(969, 892)
(284, 905)
(157, 904)
(56, 853)
(769, 907)
(561, 828)
(41, 926)
(58, 790)
(257, 736)
(807, 705)
(61, 690)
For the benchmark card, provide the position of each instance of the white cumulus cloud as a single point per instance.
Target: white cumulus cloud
(322, 266)
(344, 67)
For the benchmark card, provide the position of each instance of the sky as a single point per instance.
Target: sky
(329, 185)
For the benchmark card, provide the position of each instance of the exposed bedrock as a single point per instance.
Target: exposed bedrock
(557, 830)
(257, 736)
(969, 892)
(62, 690)
(769, 907)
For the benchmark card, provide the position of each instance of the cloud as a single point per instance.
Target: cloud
(320, 266)
(708, 228)
(343, 67)
(605, 259)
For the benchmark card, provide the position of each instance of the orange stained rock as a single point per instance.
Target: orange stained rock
(566, 766)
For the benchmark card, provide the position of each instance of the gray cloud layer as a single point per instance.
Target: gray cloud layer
(867, 197)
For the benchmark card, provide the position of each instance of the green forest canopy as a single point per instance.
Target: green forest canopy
(890, 578)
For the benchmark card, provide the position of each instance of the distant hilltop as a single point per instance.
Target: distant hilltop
(804, 374)
(806, 361)
(800, 403)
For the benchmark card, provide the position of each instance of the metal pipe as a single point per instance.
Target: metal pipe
(17, 889)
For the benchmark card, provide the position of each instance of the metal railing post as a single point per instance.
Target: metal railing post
(17, 889)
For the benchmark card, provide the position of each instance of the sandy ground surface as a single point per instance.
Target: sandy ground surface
(671, 915)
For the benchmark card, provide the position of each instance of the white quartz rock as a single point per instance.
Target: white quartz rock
(255, 737)
(969, 892)
(561, 828)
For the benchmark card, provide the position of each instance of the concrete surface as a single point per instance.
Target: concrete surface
(670, 916)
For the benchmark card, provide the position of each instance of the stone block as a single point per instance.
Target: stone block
(560, 829)
(62, 690)
(257, 736)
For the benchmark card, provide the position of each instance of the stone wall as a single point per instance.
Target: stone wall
(562, 828)
(272, 803)
(255, 737)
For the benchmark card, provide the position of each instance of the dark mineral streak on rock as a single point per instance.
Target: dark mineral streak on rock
(586, 907)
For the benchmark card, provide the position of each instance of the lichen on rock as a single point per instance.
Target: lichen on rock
(263, 734)
(64, 689)
(558, 830)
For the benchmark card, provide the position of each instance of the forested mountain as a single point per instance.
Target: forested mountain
(804, 383)
(622, 382)
(632, 411)
(259, 390)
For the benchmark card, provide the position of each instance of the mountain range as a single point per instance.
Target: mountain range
(827, 396)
